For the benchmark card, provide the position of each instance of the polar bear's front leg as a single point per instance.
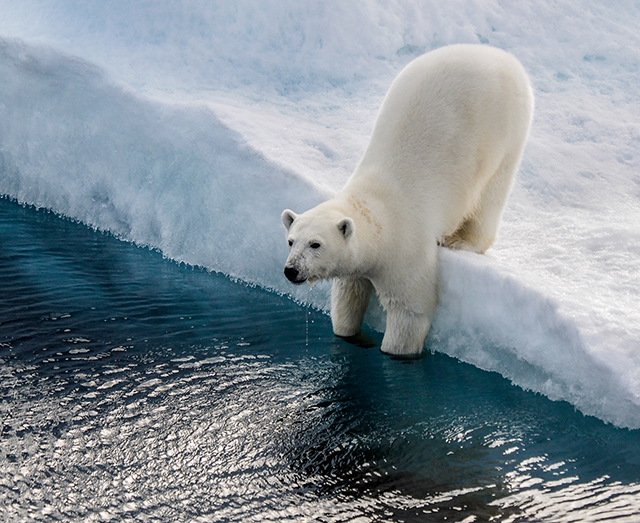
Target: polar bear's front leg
(405, 332)
(349, 301)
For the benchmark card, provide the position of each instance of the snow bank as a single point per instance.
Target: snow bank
(167, 175)
(189, 126)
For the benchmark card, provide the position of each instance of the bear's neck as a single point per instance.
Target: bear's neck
(368, 215)
(365, 213)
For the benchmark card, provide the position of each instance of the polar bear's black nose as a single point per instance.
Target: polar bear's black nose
(291, 274)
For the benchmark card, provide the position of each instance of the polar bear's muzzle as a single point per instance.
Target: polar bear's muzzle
(294, 276)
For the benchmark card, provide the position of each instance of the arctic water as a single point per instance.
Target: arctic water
(133, 388)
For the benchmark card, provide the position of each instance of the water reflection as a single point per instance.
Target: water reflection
(132, 389)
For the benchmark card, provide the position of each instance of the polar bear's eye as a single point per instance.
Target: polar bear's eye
(290, 242)
(314, 245)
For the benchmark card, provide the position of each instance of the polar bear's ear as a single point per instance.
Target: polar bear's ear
(346, 227)
(288, 217)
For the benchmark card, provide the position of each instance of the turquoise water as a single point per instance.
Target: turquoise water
(136, 389)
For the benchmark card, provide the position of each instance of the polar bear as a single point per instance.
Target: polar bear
(438, 170)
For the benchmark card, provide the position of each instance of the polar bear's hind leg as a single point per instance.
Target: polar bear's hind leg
(478, 231)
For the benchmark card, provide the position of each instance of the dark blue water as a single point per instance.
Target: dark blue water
(136, 389)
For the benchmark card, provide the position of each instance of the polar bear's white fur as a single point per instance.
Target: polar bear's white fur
(438, 169)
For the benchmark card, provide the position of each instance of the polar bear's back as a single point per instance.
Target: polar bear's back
(447, 122)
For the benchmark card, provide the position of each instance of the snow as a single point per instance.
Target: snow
(188, 127)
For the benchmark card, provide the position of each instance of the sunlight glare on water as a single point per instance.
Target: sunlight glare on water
(136, 389)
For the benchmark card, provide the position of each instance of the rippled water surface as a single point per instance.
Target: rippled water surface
(135, 389)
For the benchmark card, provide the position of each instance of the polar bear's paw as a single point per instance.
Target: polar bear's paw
(467, 239)
(458, 243)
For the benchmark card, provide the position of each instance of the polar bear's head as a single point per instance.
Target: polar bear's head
(320, 244)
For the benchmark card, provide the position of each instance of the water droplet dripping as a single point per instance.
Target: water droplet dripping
(311, 283)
